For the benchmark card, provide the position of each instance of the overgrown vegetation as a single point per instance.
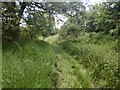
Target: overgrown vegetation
(28, 64)
(98, 55)
(83, 53)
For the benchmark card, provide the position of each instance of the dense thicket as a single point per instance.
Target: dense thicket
(103, 17)
(38, 16)
(11, 15)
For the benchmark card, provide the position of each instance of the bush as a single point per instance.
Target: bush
(69, 30)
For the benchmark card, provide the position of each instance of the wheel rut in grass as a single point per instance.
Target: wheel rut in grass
(67, 72)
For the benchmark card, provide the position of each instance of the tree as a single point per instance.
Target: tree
(11, 16)
(40, 24)
(13, 12)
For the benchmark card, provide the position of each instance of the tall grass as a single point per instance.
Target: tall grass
(69, 73)
(37, 64)
(27, 65)
(82, 62)
(98, 54)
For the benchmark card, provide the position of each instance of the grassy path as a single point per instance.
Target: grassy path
(38, 64)
(51, 39)
(68, 72)
(43, 64)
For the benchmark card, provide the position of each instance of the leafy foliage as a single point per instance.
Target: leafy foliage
(70, 30)
(82, 54)
(98, 56)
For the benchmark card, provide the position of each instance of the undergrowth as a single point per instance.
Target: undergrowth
(85, 61)
(27, 65)
(98, 54)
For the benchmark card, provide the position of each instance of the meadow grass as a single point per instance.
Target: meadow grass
(70, 74)
(27, 65)
(82, 62)
(98, 54)
(37, 64)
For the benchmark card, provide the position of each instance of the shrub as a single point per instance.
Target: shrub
(70, 30)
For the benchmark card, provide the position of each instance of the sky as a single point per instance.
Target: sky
(59, 23)
(92, 2)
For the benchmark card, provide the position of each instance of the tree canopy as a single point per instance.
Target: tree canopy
(40, 17)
